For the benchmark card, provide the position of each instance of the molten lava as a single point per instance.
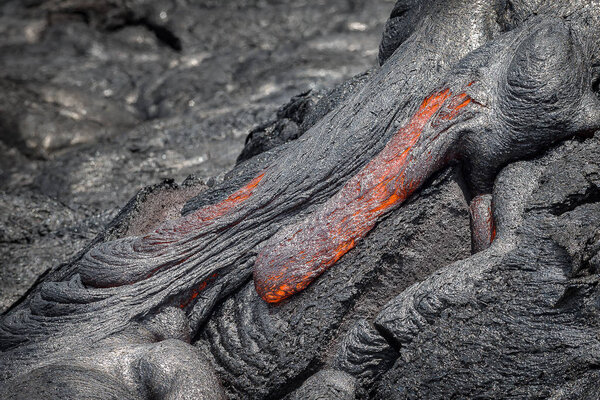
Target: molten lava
(288, 265)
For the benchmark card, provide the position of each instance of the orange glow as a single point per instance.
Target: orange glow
(203, 216)
(176, 230)
(197, 291)
(287, 266)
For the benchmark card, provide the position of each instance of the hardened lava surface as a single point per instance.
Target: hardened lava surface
(427, 229)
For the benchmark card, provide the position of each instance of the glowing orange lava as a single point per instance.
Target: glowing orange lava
(288, 265)
(177, 230)
(197, 291)
(202, 217)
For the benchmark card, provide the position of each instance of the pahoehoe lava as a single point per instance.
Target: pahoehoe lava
(481, 89)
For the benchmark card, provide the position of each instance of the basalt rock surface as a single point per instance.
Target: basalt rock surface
(496, 101)
(99, 101)
(519, 320)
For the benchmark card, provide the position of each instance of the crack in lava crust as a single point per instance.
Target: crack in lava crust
(130, 260)
(291, 260)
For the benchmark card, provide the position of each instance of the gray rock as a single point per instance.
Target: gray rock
(519, 319)
(210, 289)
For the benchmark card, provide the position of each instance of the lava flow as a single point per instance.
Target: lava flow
(130, 260)
(203, 216)
(288, 264)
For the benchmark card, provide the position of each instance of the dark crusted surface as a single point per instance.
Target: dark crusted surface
(97, 103)
(408, 313)
(299, 115)
(327, 384)
(294, 337)
(521, 319)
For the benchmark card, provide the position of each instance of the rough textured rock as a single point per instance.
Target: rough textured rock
(407, 312)
(329, 384)
(258, 350)
(298, 116)
(519, 320)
